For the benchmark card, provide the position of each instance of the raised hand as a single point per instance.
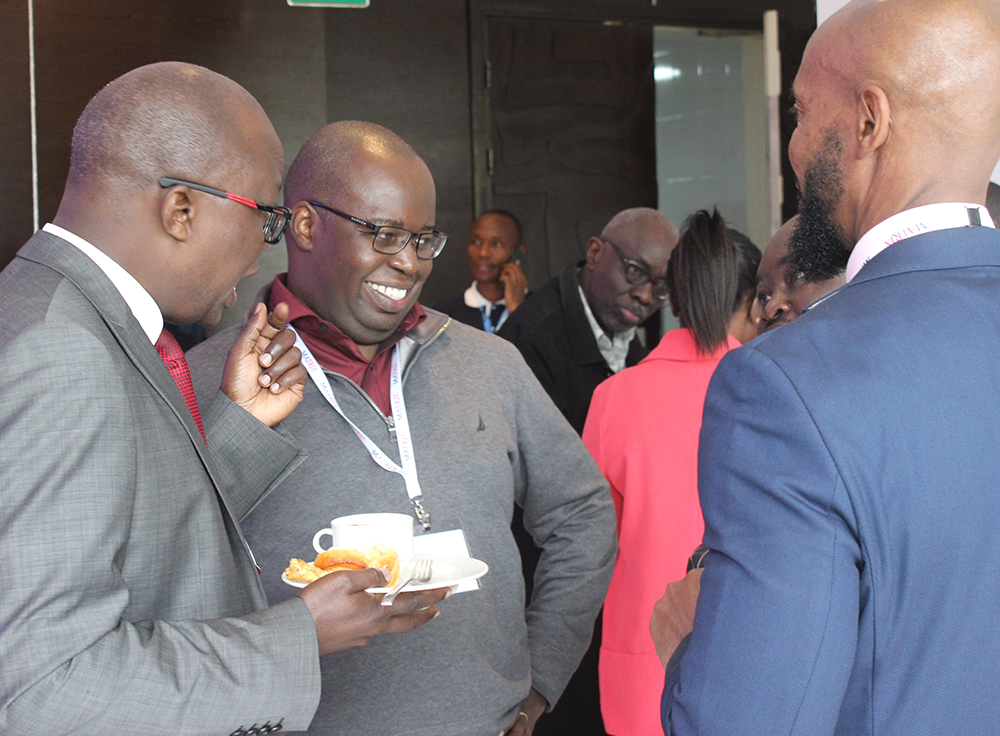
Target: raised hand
(263, 372)
(515, 285)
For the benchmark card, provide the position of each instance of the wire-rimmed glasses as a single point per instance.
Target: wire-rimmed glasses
(277, 217)
(389, 239)
(636, 274)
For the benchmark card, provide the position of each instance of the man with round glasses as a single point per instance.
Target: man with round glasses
(580, 327)
(408, 411)
(574, 332)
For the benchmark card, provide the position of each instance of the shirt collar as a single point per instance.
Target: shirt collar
(312, 327)
(614, 349)
(915, 221)
(142, 305)
(474, 299)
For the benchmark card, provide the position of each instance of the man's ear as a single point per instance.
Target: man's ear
(875, 119)
(593, 248)
(177, 213)
(300, 229)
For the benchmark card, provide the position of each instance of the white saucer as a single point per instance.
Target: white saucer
(448, 571)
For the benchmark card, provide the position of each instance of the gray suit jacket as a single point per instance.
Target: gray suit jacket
(129, 602)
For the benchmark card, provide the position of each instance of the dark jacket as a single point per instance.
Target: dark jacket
(552, 332)
(458, 310)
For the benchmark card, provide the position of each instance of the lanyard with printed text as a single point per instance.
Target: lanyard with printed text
(403, 437)
(915, 221)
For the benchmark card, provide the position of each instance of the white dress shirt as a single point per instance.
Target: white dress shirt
(138, 299)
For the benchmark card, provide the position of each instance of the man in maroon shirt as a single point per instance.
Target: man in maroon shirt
(409, 411)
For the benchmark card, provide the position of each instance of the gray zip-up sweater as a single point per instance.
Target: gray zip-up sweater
(486, 436)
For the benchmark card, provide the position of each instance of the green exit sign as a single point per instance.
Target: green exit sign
(328, 3)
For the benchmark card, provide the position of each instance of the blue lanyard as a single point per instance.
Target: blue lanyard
(488, 323)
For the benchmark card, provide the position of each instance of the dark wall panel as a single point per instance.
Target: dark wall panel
(412, 66)
(275, 51)
(797, 20)
(405, 65)
(572, 130)
(15, 129)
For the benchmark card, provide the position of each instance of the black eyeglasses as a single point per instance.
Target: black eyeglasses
(277, 217)
(390, 240)
(637, 274)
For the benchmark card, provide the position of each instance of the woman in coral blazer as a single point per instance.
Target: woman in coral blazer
(642, 430)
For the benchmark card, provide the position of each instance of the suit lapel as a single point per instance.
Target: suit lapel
(582, 343)
(55, 253)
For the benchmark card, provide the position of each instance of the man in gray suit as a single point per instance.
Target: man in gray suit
(130, 601)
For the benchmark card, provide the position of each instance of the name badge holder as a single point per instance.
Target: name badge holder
(408, 469)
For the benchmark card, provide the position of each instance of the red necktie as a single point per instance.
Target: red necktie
(173, 357)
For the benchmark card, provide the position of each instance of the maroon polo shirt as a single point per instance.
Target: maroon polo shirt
(338, 353)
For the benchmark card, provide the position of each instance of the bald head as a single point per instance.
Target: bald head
(368, 173)
(937, 62)
(167, 119)
(187, 248)
(325, 167)
(897, 106)
(649, 221)
(641, 235)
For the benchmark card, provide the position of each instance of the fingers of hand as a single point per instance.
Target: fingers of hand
(415, 600)
(370, 577)
(346, 615)
(271, 348)
(412, 610)
(250, 333)
(520, 726)
(275, 321)
(673, 615)
(285, 371)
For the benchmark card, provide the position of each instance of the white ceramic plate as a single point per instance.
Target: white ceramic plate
(447, 571)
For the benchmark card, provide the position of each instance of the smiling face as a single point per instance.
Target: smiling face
(492, 242)
(335, 270)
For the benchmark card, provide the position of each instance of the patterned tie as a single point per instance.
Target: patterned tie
(173, 357)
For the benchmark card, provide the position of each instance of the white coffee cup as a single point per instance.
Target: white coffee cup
(362, 531)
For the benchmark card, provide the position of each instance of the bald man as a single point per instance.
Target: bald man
(848, 462)
(484, 438)
(131, 602)
(782, 293)
(580, 327)
(573, 333)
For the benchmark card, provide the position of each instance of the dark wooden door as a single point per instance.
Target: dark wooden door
(571, 130)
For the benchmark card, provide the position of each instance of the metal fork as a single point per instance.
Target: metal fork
(422, 572)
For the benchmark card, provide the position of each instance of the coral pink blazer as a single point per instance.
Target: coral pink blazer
(642, 430)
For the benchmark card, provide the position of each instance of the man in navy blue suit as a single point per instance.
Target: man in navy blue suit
(850, 462)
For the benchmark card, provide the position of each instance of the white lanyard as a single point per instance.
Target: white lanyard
(924, 219)
(403, 437)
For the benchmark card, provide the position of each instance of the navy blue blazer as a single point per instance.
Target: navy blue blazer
(849, 473)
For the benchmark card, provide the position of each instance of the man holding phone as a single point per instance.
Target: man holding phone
(495, 249)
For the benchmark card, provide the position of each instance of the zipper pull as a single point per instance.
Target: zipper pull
(391, 424)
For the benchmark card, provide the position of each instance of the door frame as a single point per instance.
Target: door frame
(797, 21)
